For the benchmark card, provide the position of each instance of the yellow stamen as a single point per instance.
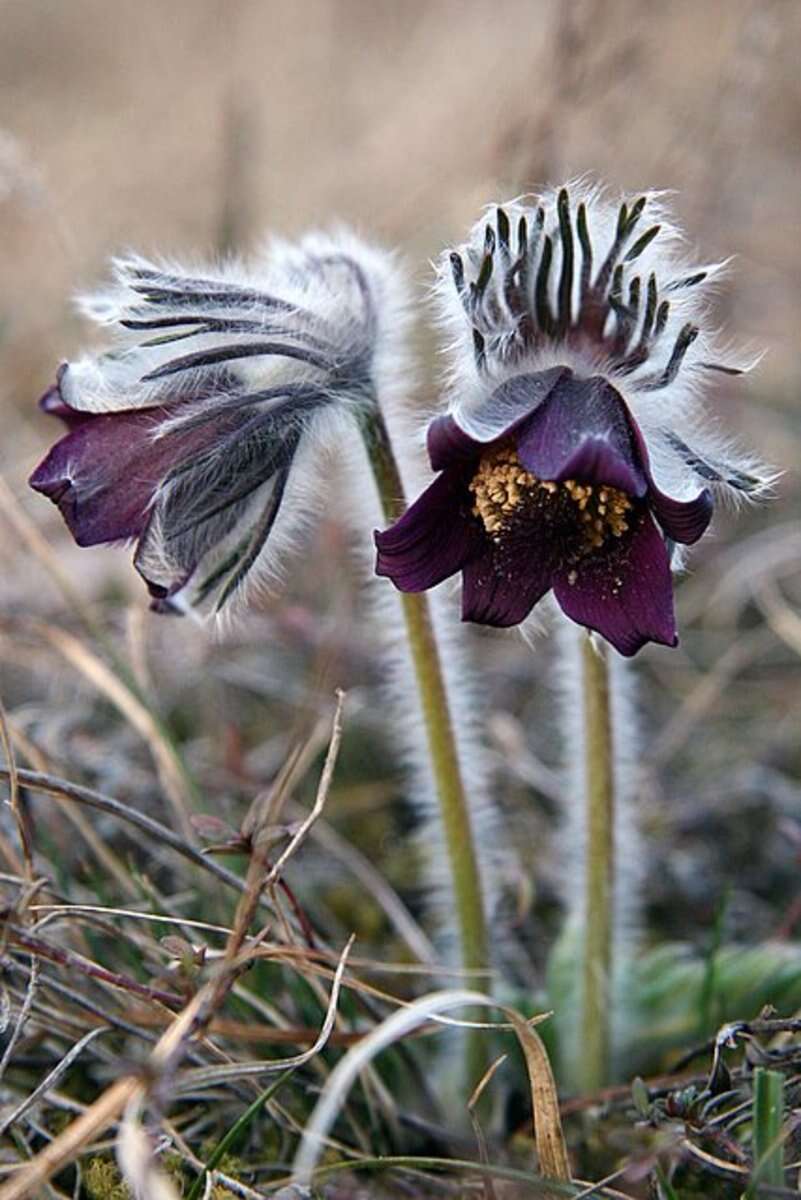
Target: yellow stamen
(501, 486)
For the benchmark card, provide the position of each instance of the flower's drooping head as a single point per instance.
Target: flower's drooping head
(573, 457)
(199, 435)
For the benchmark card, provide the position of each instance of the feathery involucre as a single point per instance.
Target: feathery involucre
(606, 288)
(574, 457)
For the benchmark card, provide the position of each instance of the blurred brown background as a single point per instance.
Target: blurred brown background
(193, 126)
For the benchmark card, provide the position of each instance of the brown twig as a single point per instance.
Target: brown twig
(50, 785)
(76, 962)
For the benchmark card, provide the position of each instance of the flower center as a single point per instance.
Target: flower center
(505, 491)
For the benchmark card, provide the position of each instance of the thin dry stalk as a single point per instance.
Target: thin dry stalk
(69, 1144)
(22, 1015)
(25, 867)
(323, 788)
(551, 1150)
(50, 1079)
(104, 855)
(76, 962)
(50, 785)
(135, 712)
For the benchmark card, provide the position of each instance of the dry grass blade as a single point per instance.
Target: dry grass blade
(13, 797)
(551, 1148)
(22, 1016)
(323, 789)
(136, 1161)
(719, 1165)
(69, 1144)
(209, 1076)
(140, 717)
(190, 1023)
(260, 875)
(548, 1131)
(50, 785)
(49, 1080)
(56, 910)
(105, 1110)
(478, 1132)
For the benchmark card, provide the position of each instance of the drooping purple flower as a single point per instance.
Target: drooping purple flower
(199, 435)
(572, 459)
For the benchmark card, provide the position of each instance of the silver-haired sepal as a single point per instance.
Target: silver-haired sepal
(199, 434)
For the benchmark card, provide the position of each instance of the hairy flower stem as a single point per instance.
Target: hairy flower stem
(599, 876)
(443, 752)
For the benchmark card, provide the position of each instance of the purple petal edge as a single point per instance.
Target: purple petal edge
(684, 521)
(626, 595)
(433, 539)
(582, 432)
(449, 445)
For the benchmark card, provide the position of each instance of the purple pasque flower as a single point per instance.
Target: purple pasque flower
(573, 458)
(199, 436)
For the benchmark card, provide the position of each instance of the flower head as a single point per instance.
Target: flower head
(199, 434)
(573, 457)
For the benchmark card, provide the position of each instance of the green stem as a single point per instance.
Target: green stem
(599, 791)
(441, 740)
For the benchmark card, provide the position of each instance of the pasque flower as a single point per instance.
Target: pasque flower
(573, 457)
(200, 434)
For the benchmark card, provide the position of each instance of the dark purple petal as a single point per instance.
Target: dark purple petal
(512, 401)
(517, 398)
(449, 445)
(503, 584)
(624, 591)
(434, 537)
(582, 432)
(684, 521)
(104, 473)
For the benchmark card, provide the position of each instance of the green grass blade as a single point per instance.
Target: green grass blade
(768, 1144)
(228, 1140)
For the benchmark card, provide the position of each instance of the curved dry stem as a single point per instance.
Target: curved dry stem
(551, 1149)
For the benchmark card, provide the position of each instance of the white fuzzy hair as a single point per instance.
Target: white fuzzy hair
(660, 365)
(467, 715)
(394, 377)
(629, 854)
(289, 290)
